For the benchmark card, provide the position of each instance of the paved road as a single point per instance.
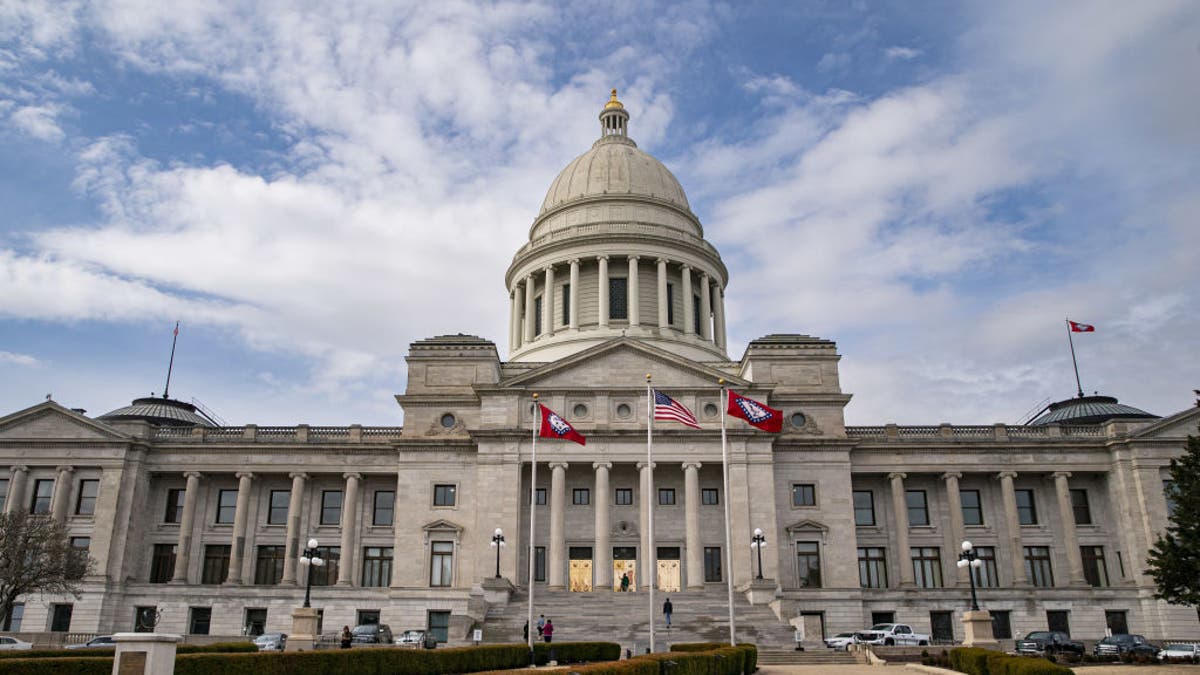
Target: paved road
(900, 670)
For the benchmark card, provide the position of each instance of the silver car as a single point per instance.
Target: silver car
(98, 642)
(1180, 650)
(7, 642)
(840, 642)
(413, 639)
(271, 642)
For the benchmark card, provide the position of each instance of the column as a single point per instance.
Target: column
(900, 512)
(548, 303)
(602, 282)
(1015, 549)
(62, 494)
(646, 556)
(558, 544)
(16, 488)
(957, 530)
(705, 307)
(719, 309)
(573, 310)
(1070, 536)
(514, 327)
(183, 548)
(349, 529)
(634, 297)
(662, 293)
(691, 505)
(237, 548)
(602, 554)
(528, 309)
(291, 551)
(689, 309)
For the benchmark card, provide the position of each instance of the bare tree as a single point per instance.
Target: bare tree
(36, 556)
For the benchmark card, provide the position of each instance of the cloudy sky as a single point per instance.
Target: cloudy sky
(309, 187)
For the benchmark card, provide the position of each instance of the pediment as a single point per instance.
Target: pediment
(51, 421)
(442, 525)
(1180, 425)
(623, 362)
(807, 526)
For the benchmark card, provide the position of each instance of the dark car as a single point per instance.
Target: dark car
(1049, 642)
(372, 634)
(1115, 645)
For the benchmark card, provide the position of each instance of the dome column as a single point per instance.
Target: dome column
(548, 303)
(573, 301)
(705, 307)
(602, 280)
(514, 330)
(528, 309)
(689, 321)
(719, 310)
(633, 296)
(662, 293)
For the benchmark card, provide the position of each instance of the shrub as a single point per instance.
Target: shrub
(220, 647)
(749, 658)
(978, 661)
(576, 652)
(86, 665)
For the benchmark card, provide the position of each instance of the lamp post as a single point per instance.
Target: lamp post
(310, 558)
(757, 543)
(498, 543)
(969, 559)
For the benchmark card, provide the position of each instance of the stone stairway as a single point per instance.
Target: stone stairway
(809, 657)
(699, 616)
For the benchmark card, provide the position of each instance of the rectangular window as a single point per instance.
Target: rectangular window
(174, 510)
(618, 300)
(81, 543)
(712, 563)
(883, 617)
(537, 315)
(985, 574)
(444, 495)
(60, 618)
(1059, 620)
(199, 620)
(277, 512)
(268, 568)
(566, 304)
(864, 507)
(3, 493)
(696, 314)
(941, 626)
(441, 563)
(927, 566)
(226, 506)
(1080, 507)
(1037, 566)
(710, 496)
(539, 496)
(808, 564)
(581, 496)
(16, 615)
(255, 621)
(85, 504)
(43, 493)
(1169, 494)
(162, 563)
(439, 625)
(1094, 569)
(972, 508)
(1001, 624)
(327, 574)
(670, 304)
(384, 509)
(918, 508)
(1026, 509)
(377, 566)
(331, 507)
(216, 564)
(872, 567)
(666, 496)
(1117, 621)
(539, 563)
(804, 494)
(624, 497)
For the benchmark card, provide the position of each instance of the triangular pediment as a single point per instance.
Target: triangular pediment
(442, 525)
(806, 526)
(622, 362)
(1180, 425)
(50, 421)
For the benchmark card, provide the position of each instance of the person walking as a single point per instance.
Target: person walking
(541, 624)
(347, 638)
(667, 609)
(548, 630)
(625, 582)
(525, 632)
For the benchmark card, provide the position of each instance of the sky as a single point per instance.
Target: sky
(309, 187)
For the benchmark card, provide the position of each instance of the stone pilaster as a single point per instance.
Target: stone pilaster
(237, 548)
(646, 557)
(957, 529)
(900, 513)
(692, 541)
(17, 479)
(291, 551)
(689, 310)
(662, 292)
(573, 310)
(719, 311)
(1070, 537)
(346, 565)
(602, 290)
(1013, 522)
(548, 302)
(602, 555)
(529, 306)
(705, 307)
(558, 542)
(514, 329)
(634, 294)
(61, 502)
(187, 523)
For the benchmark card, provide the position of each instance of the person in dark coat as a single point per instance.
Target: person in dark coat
(625, 582)
(525, 632)
(347, 638)
(667, 609)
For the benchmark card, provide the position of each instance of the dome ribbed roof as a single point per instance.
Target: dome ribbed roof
(165, 412)
(615, 167)
(1089, 410)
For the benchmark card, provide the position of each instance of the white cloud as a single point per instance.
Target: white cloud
(901, 53)
(19, 359)
(38, 121)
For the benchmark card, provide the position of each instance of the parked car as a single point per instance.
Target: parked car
(271, 642)
(372, 634)
(1180, 650)
(7, 642)
(98, 642)
(891, 634)
(411, 639)
(840, 641)
(1049, 642)
(1115, 645)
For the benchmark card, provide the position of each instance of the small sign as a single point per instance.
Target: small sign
(478, 635)
(131, 663)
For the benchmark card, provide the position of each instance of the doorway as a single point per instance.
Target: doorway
(1059, 620)
(941, 625)
(625, 565)
(668, 569)
(814, 625)
(256, 621)
(1117, 621)
(581, 569)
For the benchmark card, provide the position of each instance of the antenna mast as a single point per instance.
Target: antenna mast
(171, 365)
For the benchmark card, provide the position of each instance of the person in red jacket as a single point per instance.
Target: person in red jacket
(548, 631)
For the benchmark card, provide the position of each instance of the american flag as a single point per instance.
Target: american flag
(667, 408)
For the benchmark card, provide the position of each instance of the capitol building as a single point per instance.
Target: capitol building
(201, 527)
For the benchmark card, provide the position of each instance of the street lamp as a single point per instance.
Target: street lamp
(970, 559)
(758, 541)
(498, 543)
(310, 558)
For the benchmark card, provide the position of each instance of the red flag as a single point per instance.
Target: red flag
(176, 333)
(554, 426)
(1081, 327)
(757, 414)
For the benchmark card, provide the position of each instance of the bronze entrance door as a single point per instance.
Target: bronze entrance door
(668, 576)
(625, 563)
(581, 569)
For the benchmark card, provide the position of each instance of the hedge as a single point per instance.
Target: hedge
(979, 661)
(220, 647)
(84, 665)
(750, 658)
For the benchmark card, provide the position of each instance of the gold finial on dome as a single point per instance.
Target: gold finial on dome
(613, 102)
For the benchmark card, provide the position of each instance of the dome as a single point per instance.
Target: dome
(614, 167)
(165, 412)
(1089, 410)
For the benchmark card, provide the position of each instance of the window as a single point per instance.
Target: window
(174, 510)
(81, 543)
(696, 314)
(384, 510)
(712, 563)
(60, 618)
(268, 569)
(16, 614)
(216, 564)
(883, 617)
(927, 566)
(1169, 494)
(1059, 620)
(1117, 621)
(199, 620)
(327, 574)
(444, 495)
(710, 496)
(537, 315)
(277, 512)
(1094, 569)
(1001, 624)
(808, 564)
(377, 566)
(941, 626)
(366, 617)
(439, 625)
(3, 493)
(864, 507)
(43, 491)
(1080, 507)
(1037, 566)
(670, 304)
(666, 496)
(872, 567)
(226, 506)
(581, 496)
(618, 307)
(1026, 510)
(85, 504)
(255, 621)
(918, 509)
(624, 497)
(441, 563)
(162, 563)
(804, 494)
(539, 496)
(539, 563)
(985, 574)
(972, 509)
(566, 304)
(331, 507)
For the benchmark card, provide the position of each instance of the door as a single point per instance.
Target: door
(941, 627)
(1058, 620)
(624, 563)
(668, 576)
(814, 625)
(1116, 621)
(256, 622)
(581, 576)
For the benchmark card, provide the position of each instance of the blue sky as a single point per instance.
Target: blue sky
(309, 189)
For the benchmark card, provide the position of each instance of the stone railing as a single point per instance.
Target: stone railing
(301, 433)
(995, 432)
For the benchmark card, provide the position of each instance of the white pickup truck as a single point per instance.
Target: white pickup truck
(890, 634)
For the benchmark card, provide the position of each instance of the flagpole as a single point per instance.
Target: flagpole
(1071, 341)
(171, 365)
(651, 555)
(728, 545)
(532, 512)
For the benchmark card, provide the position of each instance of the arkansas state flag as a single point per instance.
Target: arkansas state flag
(1081, 327)
(554, 426)
(757, 414)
